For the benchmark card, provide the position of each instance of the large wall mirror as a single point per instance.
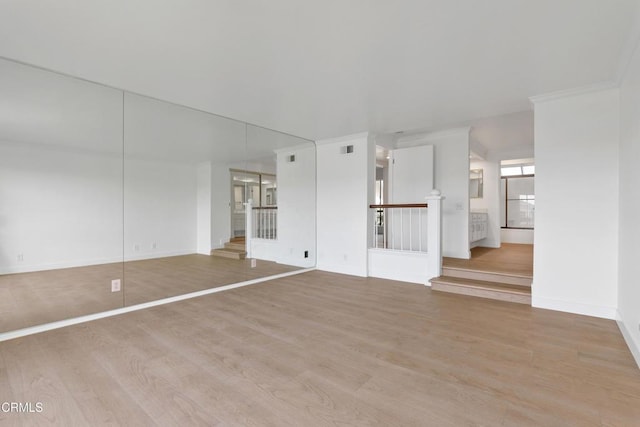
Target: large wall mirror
(111, 199)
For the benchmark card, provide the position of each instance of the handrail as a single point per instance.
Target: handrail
(264, 207)
(405, 205)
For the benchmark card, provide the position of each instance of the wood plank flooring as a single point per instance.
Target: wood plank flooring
(321, 349)
(29, 299)
(510, 258)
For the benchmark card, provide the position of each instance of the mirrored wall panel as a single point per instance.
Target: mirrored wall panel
(111, 199)
(61, 181)
(283, 230)
(176, 198)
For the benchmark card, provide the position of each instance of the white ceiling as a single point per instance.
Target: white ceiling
(329, 68)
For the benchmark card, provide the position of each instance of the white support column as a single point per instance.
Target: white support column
(434, 234)
(248, 228)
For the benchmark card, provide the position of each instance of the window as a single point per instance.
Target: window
(517, 197)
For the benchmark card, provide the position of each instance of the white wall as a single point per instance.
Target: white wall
(297, 206)
(409, 180)
(514, 235)
(490, 200)
(160, 208)
(629, 236)
(345, 184)
(410, 174)
(203, 171)
(451, 167)
(60, 208)
(220, 205)
(576, 236)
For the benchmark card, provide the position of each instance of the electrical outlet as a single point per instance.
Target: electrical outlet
(306, 254)
(115, 285)
(253, 263)
(154, 246)
(20, 257)
(136, 247)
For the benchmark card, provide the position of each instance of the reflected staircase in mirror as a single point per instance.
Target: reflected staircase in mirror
(503, 274)
(234, 249)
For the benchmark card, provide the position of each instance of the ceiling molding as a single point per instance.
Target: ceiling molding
(583, 90)
(296, 147)
(361, 135)
(428, 137)
(629, 49)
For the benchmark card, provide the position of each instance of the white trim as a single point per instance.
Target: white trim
(361, 135)
(96, 261)
(154, 255)
(297, 147)
(426, 138)
(629, 49)
(5, 336)
(349, 270)
(583, 90)
(635, 351)
(574, 307)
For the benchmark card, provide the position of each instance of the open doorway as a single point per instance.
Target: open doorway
(257, 186)
(517, 201)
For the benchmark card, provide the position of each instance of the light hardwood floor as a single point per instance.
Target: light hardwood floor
(29, 299)
(322, 349)
(510, 258)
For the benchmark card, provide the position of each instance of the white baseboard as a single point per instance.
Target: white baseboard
(58, 265)
(342, 269)
(574, 307)
(89, 262)
(154, 255)
(457, 254)
(626, 334)
(5, 336)
(400, 277)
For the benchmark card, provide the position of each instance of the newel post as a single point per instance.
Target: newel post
(248, 226)
(434, 234)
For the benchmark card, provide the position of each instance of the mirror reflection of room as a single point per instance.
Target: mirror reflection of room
(475, 183)
(110, 199)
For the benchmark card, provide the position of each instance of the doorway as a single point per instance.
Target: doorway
(257, 186)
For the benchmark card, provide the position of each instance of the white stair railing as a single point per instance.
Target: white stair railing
(265, 222)
(401, 227)
(248, 226)
(411, 227)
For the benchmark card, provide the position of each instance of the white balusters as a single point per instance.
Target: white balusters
(265, 220)
(400, 227)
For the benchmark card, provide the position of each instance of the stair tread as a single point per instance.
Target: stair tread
(481, 284)
(497, 273)
(231, 250)
(237, 246)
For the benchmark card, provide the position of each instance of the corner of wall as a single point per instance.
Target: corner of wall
(628, 338)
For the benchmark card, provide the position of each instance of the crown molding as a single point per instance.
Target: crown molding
(361, 135)
(428, 137)
(297, 147)
(629, 50)
(567, 93)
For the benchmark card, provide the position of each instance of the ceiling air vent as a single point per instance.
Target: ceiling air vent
(347, 149)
